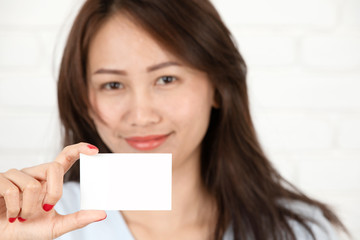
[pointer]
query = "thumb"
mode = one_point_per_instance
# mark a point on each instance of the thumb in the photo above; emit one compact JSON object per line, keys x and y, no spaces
{"x":71,"y":222}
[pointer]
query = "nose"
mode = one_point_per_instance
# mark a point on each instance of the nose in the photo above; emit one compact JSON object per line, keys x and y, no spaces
{"x":141,"y":111}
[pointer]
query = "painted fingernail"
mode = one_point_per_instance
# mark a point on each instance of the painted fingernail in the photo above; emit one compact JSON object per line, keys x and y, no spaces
{"x":102,"y":219}
{"x":92,"y":147}
{"x":11,"y":220}
{"x":47,"y":207}
{"x":21,"y":219}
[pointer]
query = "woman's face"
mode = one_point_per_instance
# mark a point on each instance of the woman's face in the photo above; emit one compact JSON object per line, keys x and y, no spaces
{"x":144,"y":99}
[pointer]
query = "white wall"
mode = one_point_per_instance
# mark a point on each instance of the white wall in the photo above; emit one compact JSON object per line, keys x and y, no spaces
{"x":32,"y":36}
{"x":304,"y":83}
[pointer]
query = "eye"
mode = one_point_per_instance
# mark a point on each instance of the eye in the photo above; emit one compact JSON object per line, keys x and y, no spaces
{"x":113,"y":86}
{"x":165,"y":80}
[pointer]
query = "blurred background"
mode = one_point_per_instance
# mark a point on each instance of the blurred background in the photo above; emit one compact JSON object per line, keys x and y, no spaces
{"x":304,"y":83}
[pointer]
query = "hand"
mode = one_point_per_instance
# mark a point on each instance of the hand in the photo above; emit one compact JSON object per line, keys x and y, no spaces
{"x":27,"y":198}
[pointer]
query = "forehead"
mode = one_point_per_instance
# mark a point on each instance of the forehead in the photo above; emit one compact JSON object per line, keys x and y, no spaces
{"x":123,"y":42}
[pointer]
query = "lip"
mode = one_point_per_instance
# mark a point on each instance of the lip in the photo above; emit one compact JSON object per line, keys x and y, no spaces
{"x":145,"y":143}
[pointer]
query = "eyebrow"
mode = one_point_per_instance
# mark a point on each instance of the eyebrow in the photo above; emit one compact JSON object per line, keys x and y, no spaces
{"x":148,"y":69}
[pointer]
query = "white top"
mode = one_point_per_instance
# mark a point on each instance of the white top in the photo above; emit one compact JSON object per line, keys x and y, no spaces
{"x":114,"y":226}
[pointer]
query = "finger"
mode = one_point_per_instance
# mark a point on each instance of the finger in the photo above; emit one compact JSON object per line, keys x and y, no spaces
{"x":71,"y":222}
{"x":53,"y":173}
{"x":31,"y":189}
{"x":54,"y":181}
{"x":71,"y":154}
{"x":10,"y":192}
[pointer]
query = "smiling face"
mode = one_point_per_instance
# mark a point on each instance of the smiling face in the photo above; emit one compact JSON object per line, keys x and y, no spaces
{"x":144,"y":99}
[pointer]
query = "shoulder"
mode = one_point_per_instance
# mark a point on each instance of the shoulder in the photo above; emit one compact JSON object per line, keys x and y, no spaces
{"x":319,"y":225}
{"x":317,"y":222}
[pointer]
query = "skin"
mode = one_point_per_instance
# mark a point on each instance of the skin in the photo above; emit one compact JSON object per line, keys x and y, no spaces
{"x":130,"y":98}
{"x":144,"y":105}
{"x":24,"y":192}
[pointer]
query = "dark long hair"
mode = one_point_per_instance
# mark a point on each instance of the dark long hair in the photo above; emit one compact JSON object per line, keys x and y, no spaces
{"x":234,"y":169}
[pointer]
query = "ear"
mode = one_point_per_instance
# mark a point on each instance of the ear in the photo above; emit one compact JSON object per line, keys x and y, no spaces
{"x":217,"y":100}
{"x":91,"y":113}
{"x":90,"y":106}
{"x":94,"y":114}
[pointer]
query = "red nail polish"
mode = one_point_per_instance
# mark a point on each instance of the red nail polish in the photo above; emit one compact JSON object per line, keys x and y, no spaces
{"x":92,"y":147}
{"x":11,"y":220}
{"x":102,"y":219}
{"x":47,"y":207}
{"x":21,"y":219}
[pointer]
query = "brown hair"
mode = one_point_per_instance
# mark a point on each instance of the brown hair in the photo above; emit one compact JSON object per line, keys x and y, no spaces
{"x":234,"y":169}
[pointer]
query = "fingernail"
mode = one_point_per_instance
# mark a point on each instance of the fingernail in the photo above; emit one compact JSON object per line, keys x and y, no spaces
{"x":47,"y":207}
{"x":92,"y":147}
{"x":102,"y":219}
{"x":21,"y":219}
{"x":12,"y":220}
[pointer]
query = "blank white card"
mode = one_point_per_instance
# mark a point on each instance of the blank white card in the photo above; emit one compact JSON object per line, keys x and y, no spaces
{"x":126,"y":181}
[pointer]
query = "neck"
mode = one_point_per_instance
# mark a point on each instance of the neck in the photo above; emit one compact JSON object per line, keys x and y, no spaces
{"x":191,"y":204}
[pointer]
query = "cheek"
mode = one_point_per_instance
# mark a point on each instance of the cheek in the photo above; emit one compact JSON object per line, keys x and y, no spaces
{"x":104,"y":113}
{"x":192,"y":111}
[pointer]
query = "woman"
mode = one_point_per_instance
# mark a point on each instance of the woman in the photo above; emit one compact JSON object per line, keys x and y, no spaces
{"x":160,"y":76}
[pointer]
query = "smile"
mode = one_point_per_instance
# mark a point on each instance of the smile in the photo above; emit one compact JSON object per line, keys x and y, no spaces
{"x":146,"y":143}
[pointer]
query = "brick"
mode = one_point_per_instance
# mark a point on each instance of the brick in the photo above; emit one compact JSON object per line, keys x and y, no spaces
{"x":28,"y":131}
{"x":24,"y":91}
{"x":52,"y":45}
{"x":19,"y":161}
{"x":37,"y":12}
{"x":265,"y":50}
{"x":285,"y":165}
{"x":320,"y":13}
{"x":351,"y":12}
{"x":349,"y":134}
{"x":300,"y":90}
{"x":319,"y":174}
{"x":331,"y":52}
{"x":19,"y":50}
{"x":289,"y":132}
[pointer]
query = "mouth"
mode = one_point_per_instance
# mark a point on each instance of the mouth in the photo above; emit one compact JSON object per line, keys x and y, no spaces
{"x":146,"y":143}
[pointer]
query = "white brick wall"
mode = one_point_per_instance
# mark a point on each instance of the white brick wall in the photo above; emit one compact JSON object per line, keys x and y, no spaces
{"x":32,"y":35}
{"x":350,"y":13}
{"x":349,"y":133}
{"x":36,"y":13}
{"x":19,"y":50}
{"x":311,"y":91}
{"x":319,"y":13}
{"x":294,"y":131}
{"x":304,"y":83}
{"x":332,"y":51}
